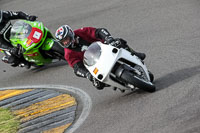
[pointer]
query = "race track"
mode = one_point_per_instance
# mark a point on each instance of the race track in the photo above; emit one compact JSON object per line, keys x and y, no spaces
{"x":168,"y":31}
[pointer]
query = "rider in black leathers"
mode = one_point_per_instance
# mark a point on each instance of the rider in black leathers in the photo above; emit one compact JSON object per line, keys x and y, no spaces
{"x":12,"y":57}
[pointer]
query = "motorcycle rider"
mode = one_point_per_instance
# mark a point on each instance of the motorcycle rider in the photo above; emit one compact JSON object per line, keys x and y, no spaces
{"x":76,"y":42}
{"x":13,"y":57}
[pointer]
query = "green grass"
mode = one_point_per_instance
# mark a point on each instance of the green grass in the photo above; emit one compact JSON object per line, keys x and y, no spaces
{"x":8,"y":122}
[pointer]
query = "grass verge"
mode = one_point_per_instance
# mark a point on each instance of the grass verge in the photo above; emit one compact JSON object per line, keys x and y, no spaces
{"x":8,"y":122}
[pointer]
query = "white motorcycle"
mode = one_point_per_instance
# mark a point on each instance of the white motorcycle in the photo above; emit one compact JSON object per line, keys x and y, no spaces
{"x":118,"y":68}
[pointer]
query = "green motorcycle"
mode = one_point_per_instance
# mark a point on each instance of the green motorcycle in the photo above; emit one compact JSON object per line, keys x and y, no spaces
{"x":38,"y":45}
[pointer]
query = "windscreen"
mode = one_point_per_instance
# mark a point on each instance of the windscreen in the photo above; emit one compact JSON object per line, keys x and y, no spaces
{"x":20,"y":30}
{"x":92,"y":55}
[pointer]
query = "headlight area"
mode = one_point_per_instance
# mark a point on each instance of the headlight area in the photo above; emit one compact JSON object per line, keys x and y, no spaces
{"x":92,"y":55}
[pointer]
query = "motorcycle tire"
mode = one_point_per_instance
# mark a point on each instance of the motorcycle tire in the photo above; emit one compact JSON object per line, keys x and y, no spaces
{"x":137,"y":82}
{"x":151,"y":76}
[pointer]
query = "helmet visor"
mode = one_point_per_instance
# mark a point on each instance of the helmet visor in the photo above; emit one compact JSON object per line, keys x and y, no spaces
{"x":66,"y":42}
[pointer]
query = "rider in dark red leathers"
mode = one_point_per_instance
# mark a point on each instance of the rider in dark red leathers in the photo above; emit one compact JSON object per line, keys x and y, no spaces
{"x":5,"y":27}
{"x":76,"y":42}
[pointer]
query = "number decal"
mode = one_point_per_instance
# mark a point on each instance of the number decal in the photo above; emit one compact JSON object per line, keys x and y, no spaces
{"x":36,"y":35}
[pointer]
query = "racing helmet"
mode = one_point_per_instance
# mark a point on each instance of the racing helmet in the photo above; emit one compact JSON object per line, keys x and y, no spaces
{"x":65,"y":36}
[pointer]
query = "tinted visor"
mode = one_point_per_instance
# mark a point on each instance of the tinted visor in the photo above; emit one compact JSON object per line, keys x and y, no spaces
{"x":66,"y":42}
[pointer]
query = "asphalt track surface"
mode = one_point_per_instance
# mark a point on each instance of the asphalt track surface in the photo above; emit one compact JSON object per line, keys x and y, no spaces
{"x":168,"y":31}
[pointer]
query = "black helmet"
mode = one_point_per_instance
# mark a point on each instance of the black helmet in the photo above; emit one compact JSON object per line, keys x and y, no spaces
{"x":65,"y":32}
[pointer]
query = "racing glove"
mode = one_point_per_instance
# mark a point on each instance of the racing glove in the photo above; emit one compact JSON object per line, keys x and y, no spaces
{"x":17,"y":51}
{"x":104,"y":35}
{"x":23,"y":15}
{"x":32,"y":18}
{"x":109,"y":40}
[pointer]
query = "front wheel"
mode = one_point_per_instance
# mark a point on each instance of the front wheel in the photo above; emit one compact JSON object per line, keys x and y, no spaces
{"x":137,"y":82}
{"x":151,"y":76}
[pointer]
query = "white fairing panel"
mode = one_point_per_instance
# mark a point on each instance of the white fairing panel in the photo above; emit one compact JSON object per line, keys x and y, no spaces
{"x":106,"y":61}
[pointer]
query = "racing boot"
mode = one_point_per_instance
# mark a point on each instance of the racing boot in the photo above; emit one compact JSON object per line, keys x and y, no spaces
{"x":142,"y":56}
{"x":123,"y":44}
{"x":25,"y":64}
{"x":14,"y":61}
{"x":5,"y":59}
{"x":99,"y":85}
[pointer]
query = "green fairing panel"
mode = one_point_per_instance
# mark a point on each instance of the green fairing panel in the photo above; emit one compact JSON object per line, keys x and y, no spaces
{"x":28,"y":34}
{"x":35,"y":56}
{"x":48,"y":43}
{"x":32,"y":36}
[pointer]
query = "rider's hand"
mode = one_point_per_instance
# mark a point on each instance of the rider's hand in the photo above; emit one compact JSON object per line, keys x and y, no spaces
{"x":17,"y":51}
{"x":116,"y":42}
{"x":14,"y":51}
{"x":32,"y":18}
{"x":109,"y":40}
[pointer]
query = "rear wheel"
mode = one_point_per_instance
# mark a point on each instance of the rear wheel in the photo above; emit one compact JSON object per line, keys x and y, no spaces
{"x":138,"y":82}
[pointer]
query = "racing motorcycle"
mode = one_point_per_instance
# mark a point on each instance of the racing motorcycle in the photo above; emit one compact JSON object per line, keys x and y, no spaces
{"x":36,"y":43}
{"x":118,"y":68}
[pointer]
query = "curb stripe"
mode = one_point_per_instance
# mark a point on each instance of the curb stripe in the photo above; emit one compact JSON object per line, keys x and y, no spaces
{"x":60,"y":129}
{"x":27,"y":99}
{"x":43,"y":104}
{"x":24,"y":105}
{"x":32,"y":117}
{"x":53,"y":125}
{"x":12,"y":99}
{"x":43,"y":124}
{"x":45,"y":107}
{"x":9,"y":94}
{"x":3,"y":93}
{"x":48,"y":116}
{"x":48,"y":104}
